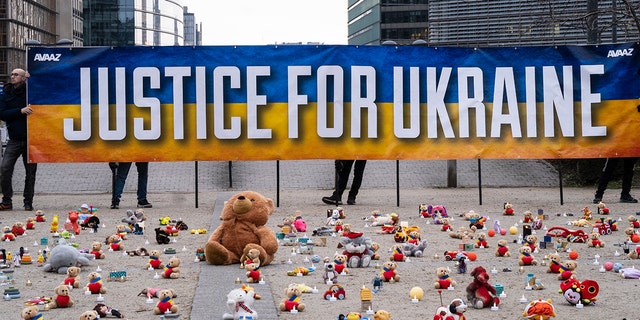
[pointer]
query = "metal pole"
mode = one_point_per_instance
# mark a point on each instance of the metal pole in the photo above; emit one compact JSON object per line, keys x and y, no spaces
{"x":278,"y":183}
{"x":560,"y":182}
{"x":398,"y":183}
{"x":230,"y":176}
{"x":452,"y":173}
{"x":196,"y":182}
{"x":480,"y":181}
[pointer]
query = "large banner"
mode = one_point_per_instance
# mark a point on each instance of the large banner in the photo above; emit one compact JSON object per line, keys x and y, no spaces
{"x":98,"y":104}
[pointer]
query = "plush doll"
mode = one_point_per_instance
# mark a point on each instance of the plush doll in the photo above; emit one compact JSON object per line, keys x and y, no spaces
{"x":634,"y":253}
{"x":72,"y":222}
{"x":481,"y":240}
{"x":539,"y":310}
{"x":396,"y":253}
{"x":333,"y":215}
{"x":89,"y":315}
{"x":141,"y":251}
{"x":40,"y":216}
{"x":554,"y":263}
{"x":330,"y":273}
{"x":31,"y":313}
{"x":95,"y":285}
{"x":479,"y":292}
{"x":502,"y":250}
{"x":526,"y":258}
{"x":414,"y":250}
{"x":508,"y":209}
{"x":30,"y":224}
{"x":96,"y":250}
{"x":18,"y":228}
{"x":122,"y":230}
{"x":340,"y":263}
{"x":357,"y":248}
{"x":532,"y":241}
{"x":63,"y":255}
{"x":106,"y":311}
{"x":382,"y":315}
{"x":602,"y":208}
{"x":443,"y":281}
{"x":455,"y":311}
{"x":54,"y":224}
{"x":527,"y":217}
{"x":292,"y":300}
{"x":463,"y":233}
{"x":423,"y":210}
{"x":437,"y":213}
{"x":240,"y":305}
{"x":154,"y":292}
{"x":172,"y":269}
{"x":613,"y":223}
{"x":575,"y":291}
{"x":373,"y":250}
{"x":586,"y":213}
{"x":61,"y":299}
{"x":567,"y":269}
{"x":162,"y":237}
{"x":633,"y":221}
{"x":477,"y":221}
{"x":594,"y":240}
{"x":244,"y":218}
{"x":446,"y":225}
{"x":166,"y":302}
{"x":252,"y":266}
{"x":114,"y":242}
{"x":7,"y":235}
{"x":72,"y":277}
{"x":154,"y":260}
{"x":287,"y":227}
{"x":413,"y":236}
{"x":391,"y":219}
{"x":389,"y":272}
{"x":580,"y":223}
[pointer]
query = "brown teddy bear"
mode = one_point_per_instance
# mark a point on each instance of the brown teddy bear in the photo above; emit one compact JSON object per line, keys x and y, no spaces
{"x":396,"y":253}
{"x":61,"y":299}
{"x":244,"y":218}
{"x":629,"y":232}
{"x":114,"y":242}
{"x":527,"y":217}
{"x":166,"y":302}
{"x":172,"y":269}
{"x":89,"y":315}
{"x":382,"y":315}
{"x":594,"y":240}
{"x":251,"y":263}
{"x":446,"y":225}
{"x":340,"y":263}
{"x":526,"y":258}
{"x":292,"y":300}
{"x":532,"y":241}
{"x":389,"y":273}
{"x":502,"y":250}
{"x":96,"y":250}
{"x":567,"y":269}
{"x":154,"y":260}
{"x":30,"y":312}
{"x":443,"y":281}
{"x":554,"y":263}
{"x":508,"y":209}
{"x":95,"y":284}
{"x":72,"y":277}
{"x":481,"y":240}
{"x":374,"y":248}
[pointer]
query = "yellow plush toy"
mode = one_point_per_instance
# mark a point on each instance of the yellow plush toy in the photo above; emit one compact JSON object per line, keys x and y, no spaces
{"x":382,"y":315}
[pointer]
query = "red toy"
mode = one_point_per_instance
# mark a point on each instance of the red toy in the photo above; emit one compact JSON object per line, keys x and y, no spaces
{"x":73,"y":222}
{"x":603,"y":228}
{"x":451,"y":255}
{"x":480,"y":293}
{"x":336,"y":291}
{"x":578,"y":236}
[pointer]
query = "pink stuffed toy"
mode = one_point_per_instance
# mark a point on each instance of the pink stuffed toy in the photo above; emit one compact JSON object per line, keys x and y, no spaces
{"x":480,"y":293}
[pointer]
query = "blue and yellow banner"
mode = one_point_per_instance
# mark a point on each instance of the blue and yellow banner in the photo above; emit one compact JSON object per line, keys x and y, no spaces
{"x":97,"y":104}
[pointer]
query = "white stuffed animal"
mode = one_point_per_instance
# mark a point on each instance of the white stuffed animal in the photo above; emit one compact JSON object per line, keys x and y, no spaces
{"x":240,"y":304}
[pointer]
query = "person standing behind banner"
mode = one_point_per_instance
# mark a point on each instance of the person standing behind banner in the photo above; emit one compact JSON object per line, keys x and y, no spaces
{"x":121,"y":173}
{"x":343,"y":168}
{"x":14,"y":112}
{"x":628,"y":165}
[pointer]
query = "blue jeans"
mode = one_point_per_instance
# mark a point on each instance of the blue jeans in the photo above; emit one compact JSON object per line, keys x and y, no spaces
{"x":15,"y":149}
{"x":122,"y":171}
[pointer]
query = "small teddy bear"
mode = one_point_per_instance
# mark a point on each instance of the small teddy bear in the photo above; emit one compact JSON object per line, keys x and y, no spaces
{"x":30,"y":224}
{"x":389,"y":273}
{"x":72,"y":277}
{"x":105,"y":311}
{"x":508,"y":209}
{"x":586,"y":213}
{"x":330,"y":273}
{"x":527,"y":217}
{"x":18,"y":228}
{"x":172,"y":269}
{"x":61,"y":299}
{"x":166,"y":302}
{"x":95,"y":284}
{"x":40,"y":217}
{"x":30,"y":312}
{"x":567,"y":269}
{"x":554,"y":263}
{"x":502,"y":250}
{"x":374,"y":251}
{"x":240,"y":304}
{"x":382,"y":315}
{"x":481,"y":240}
{"x":340,"y":263}
{"x":602,"y":208}
{"x":633,"y":221}
{"x":532,"y":241}
{"x":446,"y":225}
{"x":629,"y":232}
{"x":7,"y":235}
{"x":594,"y":240}
{"x":115,"y":242}
{"x":154,"y":260}
{"x":526,"y":258}
{"x":252,"y":265}
{"x":96,"y":250}
{"x":89,"y":315}
{"x":443,"y":281}
{"x":396,"y":253}
{"x":292,"y":300}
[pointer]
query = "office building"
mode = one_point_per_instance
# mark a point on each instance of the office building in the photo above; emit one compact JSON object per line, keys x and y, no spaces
{"x":192,"y":31}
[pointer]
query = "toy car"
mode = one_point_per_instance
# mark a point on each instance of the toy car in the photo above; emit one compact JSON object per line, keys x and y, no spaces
{"x":603,"y":228}
{"x":451,"y":255}
{"x":335,"y":291}
{"x":578,"y":236}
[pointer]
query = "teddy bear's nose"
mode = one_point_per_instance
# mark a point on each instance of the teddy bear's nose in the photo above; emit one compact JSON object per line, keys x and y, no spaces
{"x":241,"y":198}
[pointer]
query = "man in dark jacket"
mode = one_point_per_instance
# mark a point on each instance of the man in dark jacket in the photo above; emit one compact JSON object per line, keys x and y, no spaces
{"x":14,"y":112}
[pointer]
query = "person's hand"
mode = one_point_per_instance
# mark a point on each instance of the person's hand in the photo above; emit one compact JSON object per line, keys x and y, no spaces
{"x":26,"y":110}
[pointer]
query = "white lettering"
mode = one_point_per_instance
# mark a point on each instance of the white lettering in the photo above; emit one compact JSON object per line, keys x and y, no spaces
{"x":413,"y":130}
{"x":295,"y":100}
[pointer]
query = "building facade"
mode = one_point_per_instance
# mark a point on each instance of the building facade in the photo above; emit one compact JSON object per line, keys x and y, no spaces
{"x":133,"y":23}
{"x":492,"y":23}
{"x":192,"y":30}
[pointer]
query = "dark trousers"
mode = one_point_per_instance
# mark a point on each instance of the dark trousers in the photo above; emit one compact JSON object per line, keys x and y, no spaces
{"x":15,"y":149}
{"x":628,"y":164}
{"x":343,"y":168}
{"x":122,"y":171}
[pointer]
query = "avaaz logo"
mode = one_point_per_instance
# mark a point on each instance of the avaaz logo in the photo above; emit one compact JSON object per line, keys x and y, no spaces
{"x":620,"y":53}
{"x":47,"y":57}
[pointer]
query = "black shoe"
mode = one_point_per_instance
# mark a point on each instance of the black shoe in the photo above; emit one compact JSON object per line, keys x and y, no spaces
{"x":144,"y":204}
{"x":5,"y":206}
{"x":628,"y":199}
{"x":28,"y":207}
{"x":332,"y":200}
{"x":597,"y":199}
{"x":115,"y":205}
{"x":351,"y":201}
